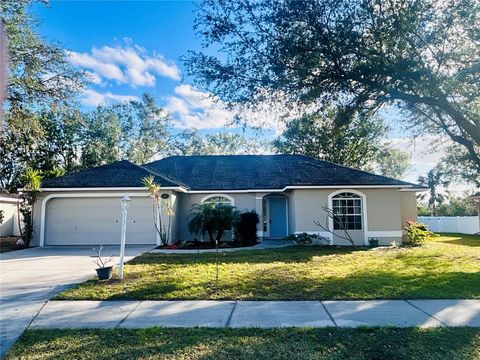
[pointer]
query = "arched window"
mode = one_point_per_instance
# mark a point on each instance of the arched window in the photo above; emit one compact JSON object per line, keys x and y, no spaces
{"x":218,"y":199}
{"x":347,"y":210}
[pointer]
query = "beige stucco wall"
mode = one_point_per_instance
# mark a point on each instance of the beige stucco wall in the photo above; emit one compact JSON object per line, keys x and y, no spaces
{"x":9,"y":218}
{"x":387,"y":210}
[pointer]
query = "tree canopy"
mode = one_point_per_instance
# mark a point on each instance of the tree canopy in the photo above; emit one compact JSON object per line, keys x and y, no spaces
{"x":421,"y":55}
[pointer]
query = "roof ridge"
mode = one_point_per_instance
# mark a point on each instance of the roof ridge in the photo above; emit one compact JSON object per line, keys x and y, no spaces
{"x":352,"y":168}
{"x":155,"y":173}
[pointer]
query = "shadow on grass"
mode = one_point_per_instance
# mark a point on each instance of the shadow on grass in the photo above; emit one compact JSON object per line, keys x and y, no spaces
{"x":458,"y":239}
{"x":288,"y":255}
{"x":287,"y":343}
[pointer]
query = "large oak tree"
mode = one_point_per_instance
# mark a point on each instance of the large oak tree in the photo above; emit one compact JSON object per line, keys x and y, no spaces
{"x":421,"y":55}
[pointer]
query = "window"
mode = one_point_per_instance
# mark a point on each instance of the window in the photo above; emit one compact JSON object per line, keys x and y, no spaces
{"x":347,"y":210}
{"x":218,"y":199}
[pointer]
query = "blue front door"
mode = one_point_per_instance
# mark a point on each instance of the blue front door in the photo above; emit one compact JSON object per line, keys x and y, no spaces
{"x":278,"y":216}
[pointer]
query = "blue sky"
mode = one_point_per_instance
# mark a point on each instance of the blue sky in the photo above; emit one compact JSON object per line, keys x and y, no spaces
{"x":132,"y":47}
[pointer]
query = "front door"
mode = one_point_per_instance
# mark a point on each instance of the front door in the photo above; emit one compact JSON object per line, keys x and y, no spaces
{"x":278,"y":216}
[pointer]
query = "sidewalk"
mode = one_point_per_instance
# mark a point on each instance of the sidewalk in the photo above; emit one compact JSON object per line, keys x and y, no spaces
{"x":264,"y":314}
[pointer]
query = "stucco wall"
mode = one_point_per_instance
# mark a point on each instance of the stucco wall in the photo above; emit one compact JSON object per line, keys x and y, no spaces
{"x":9,"y":211}
{"x":387,"y":209}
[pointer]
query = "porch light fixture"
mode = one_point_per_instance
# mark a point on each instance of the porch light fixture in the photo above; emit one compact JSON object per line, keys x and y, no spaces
{"x":125,"y":202}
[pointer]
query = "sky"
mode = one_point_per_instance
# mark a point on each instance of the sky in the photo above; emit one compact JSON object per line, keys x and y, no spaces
{"x":132,"y":47}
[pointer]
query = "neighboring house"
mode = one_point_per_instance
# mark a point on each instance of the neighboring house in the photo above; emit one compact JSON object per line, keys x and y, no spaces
{"x":8,"y":206}
{"x":287,"y":191}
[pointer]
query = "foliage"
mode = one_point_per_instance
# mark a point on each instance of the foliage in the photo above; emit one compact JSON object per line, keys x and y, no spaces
{"x":245,"y":227}
{"x":453,"y":205}
{"x":446,"y":267}
{"x":330,"y":135}
{"x":41,"y":82}
{"x":133,"y":130}
{"x":31,"y":180}
{"x":191,"y":142}
{"x":392,"y":162}
{"x":420,"y":55}
{"x":159,"y":206}
{"x":417,"y":233}
{"x":459,"y":167}
{"x":2,"y":217}
{"x":99,"y":260}
{"x":434,"y":179}
{"x":308,"y":239}
{"x":212,"y":218}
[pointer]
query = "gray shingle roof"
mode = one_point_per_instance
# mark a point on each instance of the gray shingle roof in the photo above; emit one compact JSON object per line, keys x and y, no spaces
{"x":241,"y":172}
{"x":117,"y":174}
{"x":225,"y":172}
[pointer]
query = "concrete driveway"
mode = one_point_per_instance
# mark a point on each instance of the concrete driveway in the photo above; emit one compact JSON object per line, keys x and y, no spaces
{"x":28,"y":278}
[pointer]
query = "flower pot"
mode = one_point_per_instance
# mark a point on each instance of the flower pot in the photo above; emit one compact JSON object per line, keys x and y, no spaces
{"x":105,"y":273}
{"x":373,"y":242}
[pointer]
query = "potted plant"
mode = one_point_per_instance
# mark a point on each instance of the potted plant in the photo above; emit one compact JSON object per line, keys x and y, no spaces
{"x":373,"y":242}
{"x":103,"y":272}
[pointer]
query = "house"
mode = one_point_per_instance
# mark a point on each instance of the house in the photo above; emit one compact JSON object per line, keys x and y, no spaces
{"x":8,"y":207}
{"x":287,"y":191}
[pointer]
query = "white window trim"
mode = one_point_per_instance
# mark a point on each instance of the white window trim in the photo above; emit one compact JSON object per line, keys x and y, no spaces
{"x":205,"y":198}
{"x":364,"y":211}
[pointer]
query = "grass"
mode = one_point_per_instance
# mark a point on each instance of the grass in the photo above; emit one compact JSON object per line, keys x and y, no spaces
{"x":446,"y":267}
{"x":218,"y":344}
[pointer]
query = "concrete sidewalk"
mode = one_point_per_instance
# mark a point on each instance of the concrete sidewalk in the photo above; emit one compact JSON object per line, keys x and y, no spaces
{"x":264,"y":314}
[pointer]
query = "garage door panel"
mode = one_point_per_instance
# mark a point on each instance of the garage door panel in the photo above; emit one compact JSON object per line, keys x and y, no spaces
{"x":93,"y":221}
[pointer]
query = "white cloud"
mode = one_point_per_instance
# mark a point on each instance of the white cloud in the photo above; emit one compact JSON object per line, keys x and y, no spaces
{"x":194,"y":108}
{"x":94,"y":98}
{"x":128,"y":64}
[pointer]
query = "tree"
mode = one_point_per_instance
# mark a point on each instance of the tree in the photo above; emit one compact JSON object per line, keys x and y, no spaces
{"x":191,"y":142}
{"x":31,"y":181}
{"x":420,"y":55}
{"x":41,"y":80}
{"x":392,"y":162}
{"x":159,"y":205}
{"x":328,"y":136}
{"x":459,"y":166}
{"x":452,"y":205}
{"x":434,"y":179}
{"x":133,"y":130}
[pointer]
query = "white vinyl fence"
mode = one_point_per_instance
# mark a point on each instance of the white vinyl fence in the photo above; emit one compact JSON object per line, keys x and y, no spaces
{"x":452,"y":224}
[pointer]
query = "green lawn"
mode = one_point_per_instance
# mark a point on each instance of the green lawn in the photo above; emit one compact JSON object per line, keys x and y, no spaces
{"x":446,"y":267}
{"x":202,"y":343}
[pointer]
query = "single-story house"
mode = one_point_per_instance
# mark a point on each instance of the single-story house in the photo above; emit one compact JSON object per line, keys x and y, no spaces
{"x":287,"y":191}
{"x":9,"y":209}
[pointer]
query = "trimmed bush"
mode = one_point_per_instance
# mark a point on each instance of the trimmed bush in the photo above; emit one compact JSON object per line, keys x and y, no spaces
{"x":245,"y":228}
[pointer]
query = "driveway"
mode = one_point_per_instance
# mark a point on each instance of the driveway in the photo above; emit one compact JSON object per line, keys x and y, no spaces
{"x":28,"y":278}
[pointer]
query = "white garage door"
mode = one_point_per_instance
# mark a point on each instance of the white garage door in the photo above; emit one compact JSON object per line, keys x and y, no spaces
{"x":93,"y":221}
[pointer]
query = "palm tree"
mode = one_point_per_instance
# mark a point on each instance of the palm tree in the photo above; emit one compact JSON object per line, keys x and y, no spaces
{"x":32,"y":182}
{"x":212,"y":218}
{"x":434,"y":179}
{"x":154,"y":192}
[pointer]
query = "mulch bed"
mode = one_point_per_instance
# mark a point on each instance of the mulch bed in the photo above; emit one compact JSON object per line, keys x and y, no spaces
{"x":201,"y":245}
{"x":7,"y":244}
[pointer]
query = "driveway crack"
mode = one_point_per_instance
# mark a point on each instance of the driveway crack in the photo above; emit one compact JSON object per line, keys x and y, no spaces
{"x":231,"y":314}
{"x":131,"y":311}
{"x":429,"y":315}
{"x":329,"y":315}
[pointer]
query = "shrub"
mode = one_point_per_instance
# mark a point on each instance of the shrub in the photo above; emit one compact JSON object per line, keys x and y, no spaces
{"x":245,"y":228}
{"x":417,"y":233}
{"x":308,"y":239}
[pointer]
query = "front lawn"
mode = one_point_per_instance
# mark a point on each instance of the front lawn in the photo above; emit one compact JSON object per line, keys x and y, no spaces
{"x":202,"y":343}
{"x":446,"y":267}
